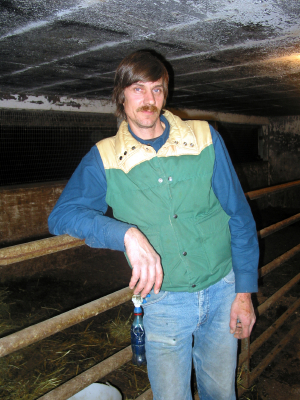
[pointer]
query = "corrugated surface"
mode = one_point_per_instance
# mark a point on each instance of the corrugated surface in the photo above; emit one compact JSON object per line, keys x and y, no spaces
{"x":227,"y":55}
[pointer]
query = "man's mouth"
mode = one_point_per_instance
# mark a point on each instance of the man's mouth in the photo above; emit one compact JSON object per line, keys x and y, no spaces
{"x":149,"y":108}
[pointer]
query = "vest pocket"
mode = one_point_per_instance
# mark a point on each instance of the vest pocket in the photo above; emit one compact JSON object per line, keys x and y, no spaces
{"x":216,"y":240}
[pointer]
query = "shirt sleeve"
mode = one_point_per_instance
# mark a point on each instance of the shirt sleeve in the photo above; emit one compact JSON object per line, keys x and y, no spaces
{"x":80,"y":210}
{"x":244,"y":241}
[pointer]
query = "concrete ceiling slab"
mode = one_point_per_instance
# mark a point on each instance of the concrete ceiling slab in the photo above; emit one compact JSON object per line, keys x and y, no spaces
{"x":237,"y":56}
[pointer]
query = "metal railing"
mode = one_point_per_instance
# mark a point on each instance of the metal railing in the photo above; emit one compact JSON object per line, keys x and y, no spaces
{"x":35,"y":333}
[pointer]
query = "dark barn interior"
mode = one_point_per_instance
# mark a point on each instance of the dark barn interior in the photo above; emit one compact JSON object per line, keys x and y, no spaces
{"x":234,"y":63}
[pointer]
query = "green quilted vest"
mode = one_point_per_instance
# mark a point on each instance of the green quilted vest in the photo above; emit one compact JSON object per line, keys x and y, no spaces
{"x":168,"y":196}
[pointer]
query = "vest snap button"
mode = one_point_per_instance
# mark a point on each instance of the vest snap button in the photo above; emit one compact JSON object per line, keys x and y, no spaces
{"x":185,"y":143}
{"x":184,"y":253}
{"x":170,"y":179}
{"x":125,"y":152}
{"x":120,"y":158}
{"x":175,"y":216}
{"x":133,"y":147}
{"x":160,"y":180}
{"x":193,"y":285}
{"x":192,"y":144}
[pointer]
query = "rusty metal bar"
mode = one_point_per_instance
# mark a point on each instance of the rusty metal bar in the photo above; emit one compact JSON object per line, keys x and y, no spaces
{"x":26,"y":251}
{"x":267,"y":304}
{"x":256,"y":194}
{"x":148,"y":395}
{"x":73,"y":386}
{"x":268,"y":332}
{"x":276,"y":227}
{"x":270,"y":357}
{"x":245,"y":348}
{"x":34,"y":333}
{"x":278,"y":261}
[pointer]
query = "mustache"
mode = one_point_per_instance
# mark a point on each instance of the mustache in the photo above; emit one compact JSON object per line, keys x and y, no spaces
{"x":150,"y":108}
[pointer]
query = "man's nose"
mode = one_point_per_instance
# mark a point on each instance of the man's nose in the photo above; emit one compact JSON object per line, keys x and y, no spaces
{"x":149,"y":97}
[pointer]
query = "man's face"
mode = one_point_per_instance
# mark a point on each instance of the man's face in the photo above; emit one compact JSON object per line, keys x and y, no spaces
{"x":143,"y":103}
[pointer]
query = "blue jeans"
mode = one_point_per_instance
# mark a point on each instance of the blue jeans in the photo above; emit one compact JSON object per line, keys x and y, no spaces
{"x":181,"y":327}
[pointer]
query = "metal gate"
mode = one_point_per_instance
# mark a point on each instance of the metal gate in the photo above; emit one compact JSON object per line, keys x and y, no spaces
{"x":33,"y":334}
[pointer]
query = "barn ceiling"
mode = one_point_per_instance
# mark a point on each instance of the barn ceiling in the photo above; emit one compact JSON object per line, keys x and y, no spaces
{"x":236,"y":56}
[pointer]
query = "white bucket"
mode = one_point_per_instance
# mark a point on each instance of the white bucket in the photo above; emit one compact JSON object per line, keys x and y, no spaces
{"x":98,"y":391}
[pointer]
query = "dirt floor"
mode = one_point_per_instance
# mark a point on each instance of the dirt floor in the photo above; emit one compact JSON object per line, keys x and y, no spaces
{"x":47,"y":286}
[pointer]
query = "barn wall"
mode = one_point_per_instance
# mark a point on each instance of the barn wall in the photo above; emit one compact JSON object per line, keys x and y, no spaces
{"x":284,"y":159}
{"x":252,"y":175}
{"x":26,"y":210}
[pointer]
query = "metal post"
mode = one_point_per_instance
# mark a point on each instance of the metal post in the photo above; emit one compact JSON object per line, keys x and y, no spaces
{"x":245,"y":348}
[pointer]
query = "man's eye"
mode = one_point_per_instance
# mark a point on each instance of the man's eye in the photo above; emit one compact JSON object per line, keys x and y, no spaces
{"x":137,"y":89}
{"x":157,"y":90}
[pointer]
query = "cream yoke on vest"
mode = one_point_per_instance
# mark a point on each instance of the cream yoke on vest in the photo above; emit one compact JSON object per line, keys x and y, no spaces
{"x":168,"y":196}
{"x":129,"y":152}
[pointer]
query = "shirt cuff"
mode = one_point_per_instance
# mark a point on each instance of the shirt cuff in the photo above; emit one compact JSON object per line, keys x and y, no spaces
{"x":114,"y":235}
{"x":246,"y":283}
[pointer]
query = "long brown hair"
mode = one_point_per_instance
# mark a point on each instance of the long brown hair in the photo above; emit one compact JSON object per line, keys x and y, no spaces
{"x":142,"y":65}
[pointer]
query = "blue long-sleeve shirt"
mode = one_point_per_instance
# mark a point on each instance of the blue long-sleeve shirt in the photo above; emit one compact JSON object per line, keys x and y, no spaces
{"x":80,"y":209}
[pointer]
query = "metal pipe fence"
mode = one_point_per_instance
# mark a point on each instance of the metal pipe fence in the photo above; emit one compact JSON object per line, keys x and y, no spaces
{"x":56,"y":324}
{"x":38,"y":248}
{"x":247,"y":349}
{"x":42,"y":330}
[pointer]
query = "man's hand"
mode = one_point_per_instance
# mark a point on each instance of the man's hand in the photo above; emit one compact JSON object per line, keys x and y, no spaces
{"x":146,"y":266}
{"x":242,"y":316}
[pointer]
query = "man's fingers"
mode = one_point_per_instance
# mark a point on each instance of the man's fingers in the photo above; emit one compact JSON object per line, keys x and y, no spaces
{"x":145,"y":262}
{"x":143,"y":287}
{"x":241,"y":331}
{"x":148,"y":278}
{"x":135,"y":276}
{"x":143,"y":279}
{"x":233,"y":322}
{"x":242,"y":316}
{"x":159,"y":277}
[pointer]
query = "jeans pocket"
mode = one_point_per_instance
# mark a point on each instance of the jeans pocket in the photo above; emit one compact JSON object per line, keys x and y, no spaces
{"x":154,"y":298}
{"x":230,"y":278}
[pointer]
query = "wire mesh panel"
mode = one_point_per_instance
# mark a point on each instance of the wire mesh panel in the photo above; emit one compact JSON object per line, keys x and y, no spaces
{"x":241,"y":141}
{"x":47,"y":147}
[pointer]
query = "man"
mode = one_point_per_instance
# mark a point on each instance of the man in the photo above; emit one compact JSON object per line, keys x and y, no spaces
{"x":187,"y":229}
